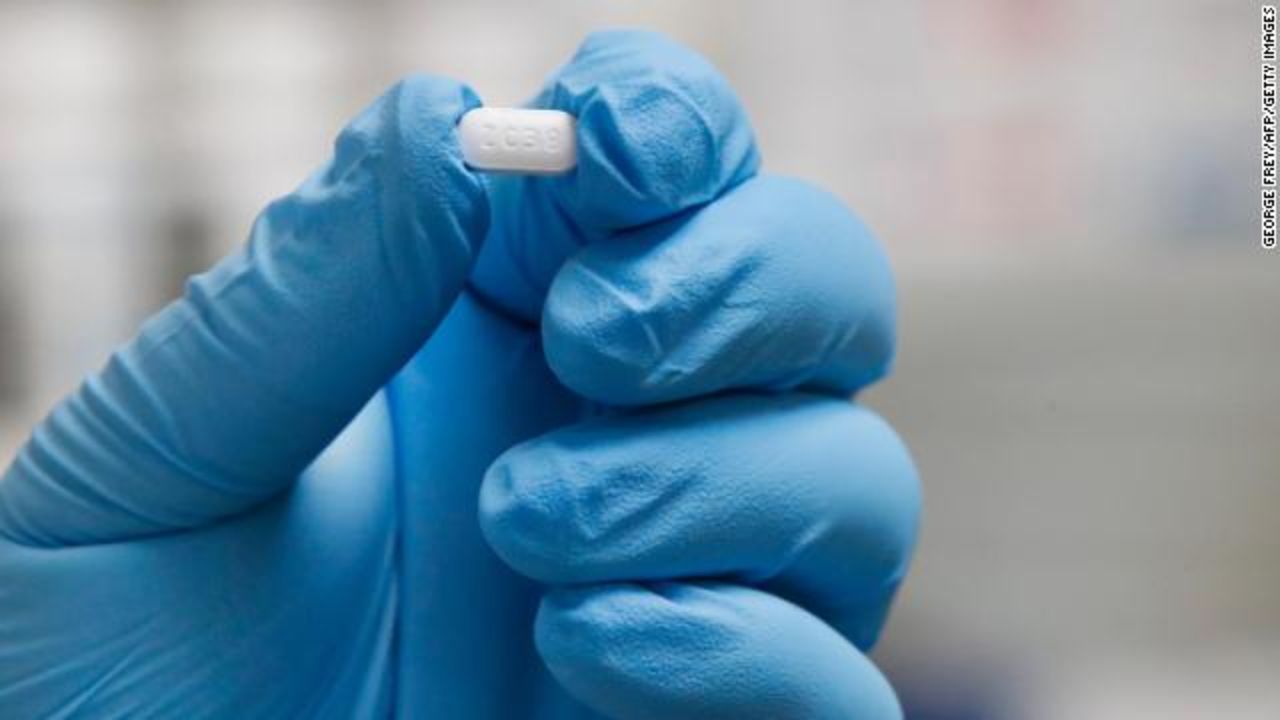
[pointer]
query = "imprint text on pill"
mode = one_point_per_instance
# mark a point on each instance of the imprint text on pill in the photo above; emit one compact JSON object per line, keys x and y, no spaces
{"x":518,"y":140}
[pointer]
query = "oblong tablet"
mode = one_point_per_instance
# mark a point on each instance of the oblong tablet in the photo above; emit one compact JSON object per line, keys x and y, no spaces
{"x":517,"y":140}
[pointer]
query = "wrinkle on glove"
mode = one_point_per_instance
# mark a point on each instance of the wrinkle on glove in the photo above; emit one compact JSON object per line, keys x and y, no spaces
{"x":767,"y":490}
{"x":774,"y":286}
{"x":231,"y":391}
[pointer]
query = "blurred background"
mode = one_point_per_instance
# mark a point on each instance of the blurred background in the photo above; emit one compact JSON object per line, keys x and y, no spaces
{"x":1088,"y":368}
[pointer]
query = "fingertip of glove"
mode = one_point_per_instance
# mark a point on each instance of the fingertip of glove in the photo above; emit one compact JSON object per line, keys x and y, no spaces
{"x":521,"y":511}
{"x":703,"y":650}
{"x":599,"y":340}
{"x":407,"y":142}
{"x":621,"y":638}
{"x":659,"y":130}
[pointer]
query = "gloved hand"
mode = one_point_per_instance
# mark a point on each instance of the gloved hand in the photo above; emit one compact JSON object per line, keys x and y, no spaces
{"x":266,"y":504}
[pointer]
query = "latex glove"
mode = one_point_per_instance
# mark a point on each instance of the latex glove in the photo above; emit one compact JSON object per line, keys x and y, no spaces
{"x":176,"y":539}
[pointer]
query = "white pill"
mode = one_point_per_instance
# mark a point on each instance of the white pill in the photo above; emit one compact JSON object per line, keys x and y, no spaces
{"x":518,"y":140}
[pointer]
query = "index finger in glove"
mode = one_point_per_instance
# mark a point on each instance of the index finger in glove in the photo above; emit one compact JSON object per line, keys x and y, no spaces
{"x":773,"y":286}
{"x":659,"y":131}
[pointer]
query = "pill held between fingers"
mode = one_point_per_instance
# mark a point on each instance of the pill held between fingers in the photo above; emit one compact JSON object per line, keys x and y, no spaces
{"x":518,"y":140}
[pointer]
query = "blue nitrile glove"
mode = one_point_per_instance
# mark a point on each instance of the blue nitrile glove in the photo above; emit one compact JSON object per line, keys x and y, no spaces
{"x":711,"y":529}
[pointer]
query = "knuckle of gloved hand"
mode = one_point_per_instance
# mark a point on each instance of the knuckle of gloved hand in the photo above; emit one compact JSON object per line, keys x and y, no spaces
{"x":822,"y":281}
{"x":659,"y":130}
{"x":881,"y":511}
